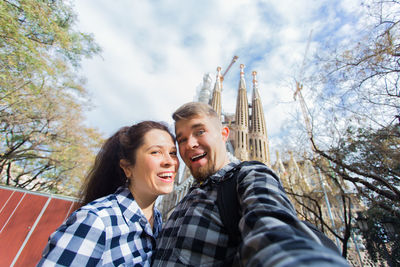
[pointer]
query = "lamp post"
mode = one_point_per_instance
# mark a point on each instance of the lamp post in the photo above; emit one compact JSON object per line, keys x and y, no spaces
{"x":362,"y":222}
{"x":388,"y":225}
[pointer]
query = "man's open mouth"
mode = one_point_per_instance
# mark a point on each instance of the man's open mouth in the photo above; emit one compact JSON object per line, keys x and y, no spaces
{"x":198,"y":157}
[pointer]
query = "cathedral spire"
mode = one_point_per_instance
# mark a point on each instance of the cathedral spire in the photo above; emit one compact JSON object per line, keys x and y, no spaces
{"x":216,"y":97}
{"x":242,"y":82}
{"x":242,"y":120}
{"x":256,"y":95}
{"x":259,"y":147}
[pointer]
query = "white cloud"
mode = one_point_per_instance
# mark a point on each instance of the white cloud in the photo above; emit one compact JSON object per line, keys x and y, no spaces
{"x":156,"y":52}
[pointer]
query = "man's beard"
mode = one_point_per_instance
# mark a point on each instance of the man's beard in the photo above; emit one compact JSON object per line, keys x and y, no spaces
{"x":204,"y":172}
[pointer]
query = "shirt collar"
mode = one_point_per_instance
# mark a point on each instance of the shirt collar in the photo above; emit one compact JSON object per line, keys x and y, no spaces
{"x":132,"y":212}
{"x":129,"y":207}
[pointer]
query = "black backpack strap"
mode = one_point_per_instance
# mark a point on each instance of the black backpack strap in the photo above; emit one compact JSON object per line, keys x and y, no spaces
{"x":228,"y":202}
{"x":228,"y":205}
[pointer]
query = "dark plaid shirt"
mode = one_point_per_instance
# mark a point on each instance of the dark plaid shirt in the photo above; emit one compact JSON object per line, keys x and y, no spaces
{"x":272,"y":234}
{"x":110,"y":231}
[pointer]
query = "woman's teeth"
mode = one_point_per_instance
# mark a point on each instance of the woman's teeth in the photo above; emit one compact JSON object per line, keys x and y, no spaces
{"x":165,"y":175}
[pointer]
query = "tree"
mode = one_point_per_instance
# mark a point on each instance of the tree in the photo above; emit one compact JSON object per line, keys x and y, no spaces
{"x":353,"y":86}
{"x":370,"y":160}
{"x":43,"y":139}
{"x":356,"y":97}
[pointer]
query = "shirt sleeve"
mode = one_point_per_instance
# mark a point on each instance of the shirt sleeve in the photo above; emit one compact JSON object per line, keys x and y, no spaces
{"x":272,"y":234}
{"x":78,"y":242}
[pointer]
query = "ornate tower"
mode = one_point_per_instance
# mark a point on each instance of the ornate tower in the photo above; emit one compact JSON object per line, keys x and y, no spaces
{"x":259,"y":147}
{"x":205,"y":91}
{"x":242,"y":120}
{"x":216,"y":96}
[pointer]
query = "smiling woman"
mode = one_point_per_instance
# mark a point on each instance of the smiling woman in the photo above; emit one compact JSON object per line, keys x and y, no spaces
{"x":117,"y":222}
{"x":154,"y":169}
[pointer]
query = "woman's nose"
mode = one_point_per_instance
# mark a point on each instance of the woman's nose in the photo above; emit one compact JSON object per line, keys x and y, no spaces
{"x":170,"y":160}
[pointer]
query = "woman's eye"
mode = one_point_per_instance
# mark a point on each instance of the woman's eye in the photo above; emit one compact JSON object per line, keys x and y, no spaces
{"x":154,"y":152}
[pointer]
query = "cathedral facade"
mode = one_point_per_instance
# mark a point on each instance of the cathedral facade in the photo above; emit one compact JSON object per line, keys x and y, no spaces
{"x":248,"y":132}
{"x":248,"y":140}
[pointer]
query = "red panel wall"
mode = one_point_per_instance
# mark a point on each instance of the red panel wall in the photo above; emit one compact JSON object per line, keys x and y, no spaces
{"x":56,"y":212}
{"x":9,"y":205}
{"x":4,"y":195}
{"x":18,"y":213}
{"x":19,"y":225}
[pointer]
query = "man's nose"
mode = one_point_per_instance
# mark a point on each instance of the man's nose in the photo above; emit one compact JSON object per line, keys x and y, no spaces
{"x":192,"y":142}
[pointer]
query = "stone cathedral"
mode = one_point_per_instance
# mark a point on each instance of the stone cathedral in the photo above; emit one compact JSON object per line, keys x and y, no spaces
{"x":248,"y":140}
{"x":248,"y":132}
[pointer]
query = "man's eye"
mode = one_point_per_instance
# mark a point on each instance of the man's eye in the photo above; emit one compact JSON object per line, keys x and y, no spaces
{"x":173,"y":153}
{"x":180,"y":141}
{"x":155,"y":152}
{"x":200,"y":132}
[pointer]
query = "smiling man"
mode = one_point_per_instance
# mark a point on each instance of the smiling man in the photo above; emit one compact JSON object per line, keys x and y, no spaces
{"x":201,"y":141}
{"x":270,"y":232}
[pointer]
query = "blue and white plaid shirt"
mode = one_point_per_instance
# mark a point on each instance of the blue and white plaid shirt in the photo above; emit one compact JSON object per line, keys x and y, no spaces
{"x":110,"y":231}
{"x":272,"y":235}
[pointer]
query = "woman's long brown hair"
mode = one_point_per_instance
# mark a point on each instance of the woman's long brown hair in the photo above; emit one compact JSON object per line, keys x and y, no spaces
{"x":106,"y":174}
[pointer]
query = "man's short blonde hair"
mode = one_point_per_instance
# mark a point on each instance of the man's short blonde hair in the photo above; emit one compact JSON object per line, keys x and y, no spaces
{"x":193,"y":109}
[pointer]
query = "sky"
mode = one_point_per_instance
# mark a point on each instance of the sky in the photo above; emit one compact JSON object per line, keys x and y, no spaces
{"x":155,"y":53}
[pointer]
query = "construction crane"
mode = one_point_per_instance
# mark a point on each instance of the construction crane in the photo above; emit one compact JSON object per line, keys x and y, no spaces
{"x":299,"y":87}
{"x":304,"y":109}
{"x":227,"y":69}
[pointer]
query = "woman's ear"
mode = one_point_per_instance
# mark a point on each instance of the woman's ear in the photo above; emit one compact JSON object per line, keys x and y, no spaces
{"x":126,"y":167}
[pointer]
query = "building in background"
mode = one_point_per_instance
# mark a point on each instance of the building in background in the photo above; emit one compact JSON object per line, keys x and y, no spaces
{"x":248,"y":140}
